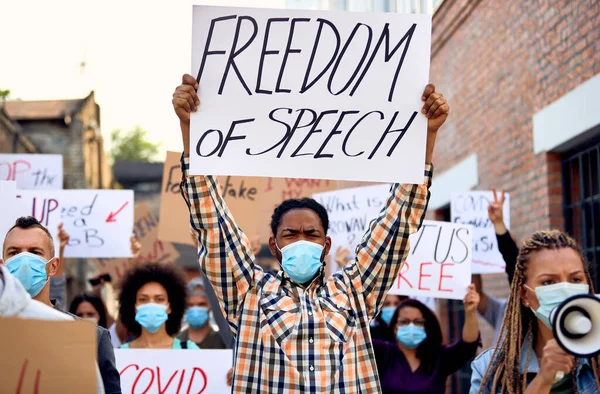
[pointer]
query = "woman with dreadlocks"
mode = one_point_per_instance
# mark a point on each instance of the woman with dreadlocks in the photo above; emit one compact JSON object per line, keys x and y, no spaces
{"x":550,"y":268}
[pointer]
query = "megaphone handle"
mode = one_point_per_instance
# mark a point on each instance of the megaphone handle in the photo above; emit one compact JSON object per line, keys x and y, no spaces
{"x":559,"y":376}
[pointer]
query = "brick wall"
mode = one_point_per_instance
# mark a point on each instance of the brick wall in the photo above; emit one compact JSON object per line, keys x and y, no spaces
{"x":498,"y":63}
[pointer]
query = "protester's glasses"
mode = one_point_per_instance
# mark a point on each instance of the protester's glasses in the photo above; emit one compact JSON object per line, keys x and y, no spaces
{"x":416,"y":322}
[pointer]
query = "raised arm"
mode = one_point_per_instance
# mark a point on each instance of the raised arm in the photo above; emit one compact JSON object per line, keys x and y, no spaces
{"x":58,"y":282}
{"x":224,"y":252}
{"x":385,"y":246}
{"x":506,"y":244}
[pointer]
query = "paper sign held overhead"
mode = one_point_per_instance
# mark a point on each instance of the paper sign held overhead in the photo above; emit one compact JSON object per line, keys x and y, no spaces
{"x":310,"y":94}
{"x":472,"y":208}
{"x":173,"y":371}
{"x":32,"y":171}
{"x":99,"y":222}
{"x":65,"y":364}
{"x":439,"y":262}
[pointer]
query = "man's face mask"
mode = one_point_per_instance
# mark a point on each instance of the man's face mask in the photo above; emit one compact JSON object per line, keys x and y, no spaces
{"x":30,"y":270}
{"x":552,"y":296}
{"x":301,"y":260}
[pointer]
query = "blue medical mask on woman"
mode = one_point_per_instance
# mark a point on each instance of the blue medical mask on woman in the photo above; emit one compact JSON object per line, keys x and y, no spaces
{"x":387,"y":313}
{"x":411,"y":336}
{"x":30,"y":270}
{"x":301,"y":260}
{"x":197,"y":316}
{"x":151,"y":316}
{"x":552,"y":296}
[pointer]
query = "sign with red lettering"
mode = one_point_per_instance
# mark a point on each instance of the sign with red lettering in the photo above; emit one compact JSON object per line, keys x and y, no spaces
{"x":439,"y":262}
{"x":33,"y":364}
{"x":99,"y":222}
{"x":32,"y":171}
{"x":472,"y":208}
{"x":310,"y":94}
{"x":8,"y":202}
{"x":161,"y":371}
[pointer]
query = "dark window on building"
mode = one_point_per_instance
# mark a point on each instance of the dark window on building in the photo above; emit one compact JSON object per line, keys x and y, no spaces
{"x":581,"y":189}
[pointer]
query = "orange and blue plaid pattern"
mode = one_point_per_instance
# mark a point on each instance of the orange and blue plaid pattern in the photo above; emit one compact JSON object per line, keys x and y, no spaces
{"x":291,"y":339}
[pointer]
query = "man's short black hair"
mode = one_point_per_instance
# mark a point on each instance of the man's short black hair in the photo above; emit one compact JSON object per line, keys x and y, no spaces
{"x":29,"y":222}
{"x":302,"y":203}
{"x":168,"y":276}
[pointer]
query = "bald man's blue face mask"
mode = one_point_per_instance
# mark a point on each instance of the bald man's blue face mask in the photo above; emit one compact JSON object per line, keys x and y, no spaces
{"x":301,"y":260}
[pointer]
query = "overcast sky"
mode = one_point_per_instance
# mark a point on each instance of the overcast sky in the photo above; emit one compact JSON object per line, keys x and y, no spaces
{"x":135,"y":53}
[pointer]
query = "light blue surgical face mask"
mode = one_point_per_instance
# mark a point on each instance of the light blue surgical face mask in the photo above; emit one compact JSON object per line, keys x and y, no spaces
{"x":301,"y":260}
{"x":552,"y":296}
{"x":151,"y":316}
{"x":411,"y":336}
{"x":197,"y":316}
{"x":387,"y":313}
{"x":30,"y":270}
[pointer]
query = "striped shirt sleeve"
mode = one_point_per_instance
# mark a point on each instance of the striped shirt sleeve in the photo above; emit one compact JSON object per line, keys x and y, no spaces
{"x":385,"y":245}
{"x":224,"y":251}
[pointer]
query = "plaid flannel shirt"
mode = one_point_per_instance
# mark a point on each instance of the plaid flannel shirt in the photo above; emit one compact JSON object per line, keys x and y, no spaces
{"x":291,"y":339}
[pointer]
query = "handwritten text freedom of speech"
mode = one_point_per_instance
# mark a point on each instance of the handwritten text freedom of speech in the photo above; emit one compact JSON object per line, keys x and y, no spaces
{"x":279,"y":88}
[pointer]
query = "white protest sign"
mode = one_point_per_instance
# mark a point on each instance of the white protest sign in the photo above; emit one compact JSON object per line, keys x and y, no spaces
{"x":32,"y":171}
{"x":439,"y":262}
{"x":99,"y":222}
{"x":310,"y":94}
{"x":8,"y":202}
{"x":161,"y":371}
{"x":472,"y":208}
{"x":350,"y":212}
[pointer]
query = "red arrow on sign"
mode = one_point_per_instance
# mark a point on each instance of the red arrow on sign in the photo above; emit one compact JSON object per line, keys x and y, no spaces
{"x":111,"y":216}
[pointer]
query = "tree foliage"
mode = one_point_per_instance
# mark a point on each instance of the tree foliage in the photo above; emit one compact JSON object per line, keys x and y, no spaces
{"x":133,"y":146}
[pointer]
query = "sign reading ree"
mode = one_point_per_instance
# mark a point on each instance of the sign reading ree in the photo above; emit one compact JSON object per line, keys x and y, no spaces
{"x":350,"y":213}
{"x":32,"y":171}
{"x":310,"y":94}
{"x":173,"y":371}
{"x":439,"y":262}
{"x":33,"y":364}
{"x":99,"y":222}
{"x":472,"y":208}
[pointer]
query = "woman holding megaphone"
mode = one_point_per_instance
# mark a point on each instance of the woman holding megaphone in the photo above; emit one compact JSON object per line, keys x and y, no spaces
{"x":550,"y":269}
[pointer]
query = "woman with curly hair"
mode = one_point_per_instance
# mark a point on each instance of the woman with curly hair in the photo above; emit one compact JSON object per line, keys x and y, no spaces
{"x":152,"y":304}
{"x":550,"y":268}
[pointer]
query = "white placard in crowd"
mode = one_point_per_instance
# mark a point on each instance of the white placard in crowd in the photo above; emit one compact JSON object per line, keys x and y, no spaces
{"x":439,"y":262}
{"x":472,"y":208}
{"x":32,"y":171}
{"x":310,"y":94}
{"x":350,"y":213}
{"x":99,"y":222}
{"x":8,"y":200}
{"x":161,"y":371}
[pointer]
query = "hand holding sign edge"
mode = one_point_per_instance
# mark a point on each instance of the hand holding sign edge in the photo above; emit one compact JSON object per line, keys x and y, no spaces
{"x":436,"y":109}
{"x":185,"y":100}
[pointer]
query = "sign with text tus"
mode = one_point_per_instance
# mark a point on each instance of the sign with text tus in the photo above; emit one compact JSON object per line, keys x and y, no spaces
{"x":310,"y":94}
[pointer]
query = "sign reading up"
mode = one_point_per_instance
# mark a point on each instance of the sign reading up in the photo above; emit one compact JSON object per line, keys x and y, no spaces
{"x":310,"y":94}
{"x":99,"y":222}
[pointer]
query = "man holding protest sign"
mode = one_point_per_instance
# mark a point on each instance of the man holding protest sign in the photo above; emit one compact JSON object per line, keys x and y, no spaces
{"x":296,"y":332}
{"x":28,"y":254}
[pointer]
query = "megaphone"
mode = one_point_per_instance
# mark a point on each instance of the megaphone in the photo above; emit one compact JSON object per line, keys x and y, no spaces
{"x":576,"y":325}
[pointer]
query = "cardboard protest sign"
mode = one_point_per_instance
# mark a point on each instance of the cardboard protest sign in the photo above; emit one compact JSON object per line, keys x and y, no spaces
{"x":472,"y":208}
{"x":310,"y":94}
{"x":145,"y":230}
{"x":99,"y":222}
{"x":8,"y":202}
{"x":32,"y":171}
{"x":244,"y":197}
{"x":350,"y":212}
{"x":439,"y":262}
{"x":155,"y":371}
{"x":32,"y":363}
